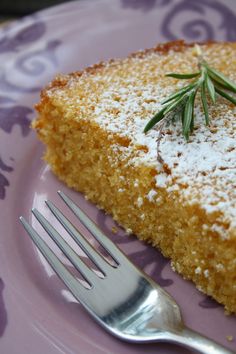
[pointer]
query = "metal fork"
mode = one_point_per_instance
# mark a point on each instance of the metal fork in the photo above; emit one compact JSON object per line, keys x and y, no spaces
{"x":125,"y":301}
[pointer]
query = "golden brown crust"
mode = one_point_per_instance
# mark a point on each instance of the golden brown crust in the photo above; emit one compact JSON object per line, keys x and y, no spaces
{"x":61,"y":81}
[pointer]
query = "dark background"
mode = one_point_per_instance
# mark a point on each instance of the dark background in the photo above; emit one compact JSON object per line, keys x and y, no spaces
{"x":17,"y":8}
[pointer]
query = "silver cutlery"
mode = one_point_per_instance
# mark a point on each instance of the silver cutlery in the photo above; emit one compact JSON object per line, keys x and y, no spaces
{"x":121,"y":298}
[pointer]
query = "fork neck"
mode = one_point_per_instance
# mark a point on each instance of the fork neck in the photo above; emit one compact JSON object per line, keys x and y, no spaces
{"x":202,"y":344}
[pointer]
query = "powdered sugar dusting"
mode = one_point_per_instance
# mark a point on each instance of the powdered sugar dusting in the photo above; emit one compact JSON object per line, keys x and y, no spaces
{"x":202,"y":170}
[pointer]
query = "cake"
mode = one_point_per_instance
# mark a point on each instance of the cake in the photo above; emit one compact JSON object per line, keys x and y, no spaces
{"x":183,"y":203}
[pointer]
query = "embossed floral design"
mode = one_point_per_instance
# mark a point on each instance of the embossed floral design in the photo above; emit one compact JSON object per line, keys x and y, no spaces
{"x":208,"y":303}
{"x":150,"y":256}
{"x":5,"y":100}
{"x":32,"y":63}
{"x":3,"y":180}
{"x":25,"y":36}
{"x":11,"y":114}
{"x":15,"y":115}
{"x":3,"y":312}
{"x":29,"y":63}
{"x":7,"y":86}
{"x":188,"y":19}
{"x":3,"y":184}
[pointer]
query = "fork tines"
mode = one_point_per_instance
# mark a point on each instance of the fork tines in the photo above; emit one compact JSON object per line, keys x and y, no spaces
{"x":101,"y":263}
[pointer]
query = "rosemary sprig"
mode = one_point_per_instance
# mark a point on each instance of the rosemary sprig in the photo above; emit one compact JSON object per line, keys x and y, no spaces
{"x":181,"y":103}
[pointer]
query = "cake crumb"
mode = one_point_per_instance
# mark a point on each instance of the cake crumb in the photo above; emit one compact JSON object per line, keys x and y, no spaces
{"x":219,"y":266}
{"x":139,"y":202}
{"x":114,"y":230}
{"x":230,"y":338}
{"x":151,"y":195}
{"x":198,"y":270}
{"x":129,"y":231}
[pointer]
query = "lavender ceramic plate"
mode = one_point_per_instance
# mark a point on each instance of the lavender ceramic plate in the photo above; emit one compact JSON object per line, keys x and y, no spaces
{"x":37,"y":314}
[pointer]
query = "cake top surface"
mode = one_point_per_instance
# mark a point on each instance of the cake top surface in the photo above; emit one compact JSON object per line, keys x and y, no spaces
{"x":122,"y":96}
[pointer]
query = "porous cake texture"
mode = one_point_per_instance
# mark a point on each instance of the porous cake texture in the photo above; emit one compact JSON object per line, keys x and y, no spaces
{"x":92,"y":125}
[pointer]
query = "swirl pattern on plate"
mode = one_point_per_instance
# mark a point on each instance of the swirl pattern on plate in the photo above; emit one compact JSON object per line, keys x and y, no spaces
{"x":28,"y":63}
{"x":3,"y":313}
{"x":189,"y":19}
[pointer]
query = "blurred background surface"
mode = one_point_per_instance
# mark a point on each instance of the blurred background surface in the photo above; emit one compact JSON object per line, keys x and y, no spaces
{"x":10,"y":9}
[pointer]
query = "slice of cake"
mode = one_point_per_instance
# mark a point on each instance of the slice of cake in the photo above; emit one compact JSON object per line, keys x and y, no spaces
{"x":184,"y":203}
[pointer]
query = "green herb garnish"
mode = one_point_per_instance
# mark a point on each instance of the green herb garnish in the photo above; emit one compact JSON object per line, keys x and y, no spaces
{"x":181,"y":103}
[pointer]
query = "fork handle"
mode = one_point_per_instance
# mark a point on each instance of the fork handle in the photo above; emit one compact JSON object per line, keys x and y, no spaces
{"x":202,"y":344}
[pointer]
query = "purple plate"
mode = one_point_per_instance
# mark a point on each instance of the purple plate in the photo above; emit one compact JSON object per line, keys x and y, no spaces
{"x":37,"y":314}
